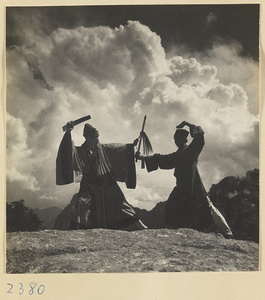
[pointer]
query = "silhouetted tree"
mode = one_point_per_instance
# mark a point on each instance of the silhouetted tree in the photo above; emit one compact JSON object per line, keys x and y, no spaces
{"x":21,"y":218}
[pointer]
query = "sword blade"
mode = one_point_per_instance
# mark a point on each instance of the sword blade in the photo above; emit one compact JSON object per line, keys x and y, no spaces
{"x":83,"y":119}
{"x":78,"y":121}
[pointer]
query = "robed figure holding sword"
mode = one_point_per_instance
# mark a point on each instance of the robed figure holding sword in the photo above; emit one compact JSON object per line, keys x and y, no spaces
{"x":100,"y":202}
{"x":188,"y":205}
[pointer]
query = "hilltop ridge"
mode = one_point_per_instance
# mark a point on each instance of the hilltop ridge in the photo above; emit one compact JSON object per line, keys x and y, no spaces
{"x":116,"y":251}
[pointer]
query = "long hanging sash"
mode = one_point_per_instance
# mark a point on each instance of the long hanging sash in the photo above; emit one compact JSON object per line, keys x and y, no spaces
{"x":103,"y":166}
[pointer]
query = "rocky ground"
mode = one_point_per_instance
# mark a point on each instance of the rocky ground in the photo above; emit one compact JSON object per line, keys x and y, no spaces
{"x":108,"y":251}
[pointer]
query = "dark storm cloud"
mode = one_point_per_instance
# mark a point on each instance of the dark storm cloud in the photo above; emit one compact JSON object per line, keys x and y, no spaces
{"x":37,"y":75}
{"x":196,"y":26}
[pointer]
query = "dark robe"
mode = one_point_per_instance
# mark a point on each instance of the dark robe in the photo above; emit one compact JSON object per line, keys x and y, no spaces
{"x":100,"y":201}
{"x":187,"y":205}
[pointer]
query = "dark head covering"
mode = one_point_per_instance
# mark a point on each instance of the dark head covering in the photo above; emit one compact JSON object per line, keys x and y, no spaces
{"x":181,"y":132}
{"x":90,"y":131}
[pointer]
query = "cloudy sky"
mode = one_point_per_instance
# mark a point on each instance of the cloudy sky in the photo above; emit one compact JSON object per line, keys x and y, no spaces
{"x":119,"y":63}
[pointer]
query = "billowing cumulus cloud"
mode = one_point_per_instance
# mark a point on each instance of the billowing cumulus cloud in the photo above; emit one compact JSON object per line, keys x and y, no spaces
{"x":118,"y":76}
{"x":190,"y":71}
{"x":18,"y":153}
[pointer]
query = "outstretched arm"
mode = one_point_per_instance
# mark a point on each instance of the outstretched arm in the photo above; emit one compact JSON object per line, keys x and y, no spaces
{"x":139,"y":156}
{"x":156,"y":161}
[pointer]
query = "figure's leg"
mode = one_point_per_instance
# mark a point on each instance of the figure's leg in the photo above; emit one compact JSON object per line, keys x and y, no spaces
{"x":120,"y":214}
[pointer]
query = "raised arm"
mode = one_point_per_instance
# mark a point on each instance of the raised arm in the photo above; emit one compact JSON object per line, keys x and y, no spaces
{"x":68,"y":163}
{"x":196,"y":132}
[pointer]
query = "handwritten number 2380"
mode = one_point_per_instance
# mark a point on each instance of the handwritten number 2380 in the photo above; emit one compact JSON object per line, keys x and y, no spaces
{"x":40,"y":290}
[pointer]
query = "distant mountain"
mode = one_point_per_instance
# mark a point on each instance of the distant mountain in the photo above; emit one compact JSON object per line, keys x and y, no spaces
{"x":63,"y":219}
{"x":154,"y":218}
{"x":48,"y":215}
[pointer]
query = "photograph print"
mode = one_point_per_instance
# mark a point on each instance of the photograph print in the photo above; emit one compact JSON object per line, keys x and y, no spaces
{"x":132,"y":138}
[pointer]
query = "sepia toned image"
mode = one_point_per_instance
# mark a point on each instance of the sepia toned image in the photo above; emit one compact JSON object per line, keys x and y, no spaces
{"x":132,"y":139}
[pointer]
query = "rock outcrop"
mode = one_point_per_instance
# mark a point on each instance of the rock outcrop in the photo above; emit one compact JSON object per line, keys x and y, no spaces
{"x":116,"y":251}
{"x":238,"y":200}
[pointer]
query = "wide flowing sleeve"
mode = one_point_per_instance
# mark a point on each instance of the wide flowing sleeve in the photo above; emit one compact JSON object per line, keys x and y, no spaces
{"x":161,"y":161}
{"x":68,"y":163}
{"x":121,"y":158}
